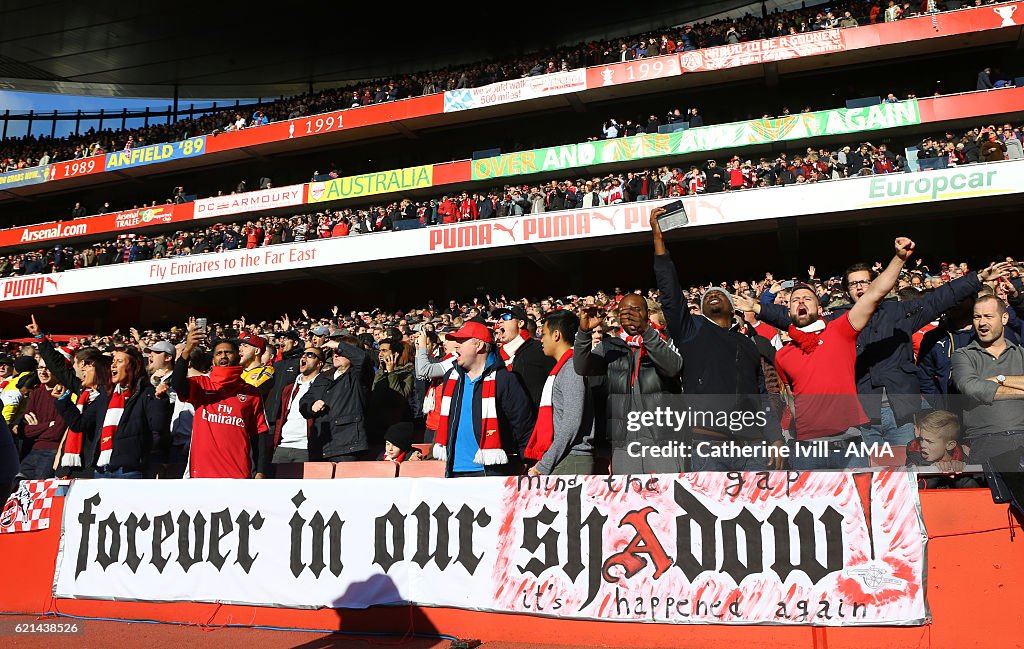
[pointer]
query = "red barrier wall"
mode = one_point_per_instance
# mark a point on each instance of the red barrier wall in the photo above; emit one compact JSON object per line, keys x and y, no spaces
{"x":975,"y":586}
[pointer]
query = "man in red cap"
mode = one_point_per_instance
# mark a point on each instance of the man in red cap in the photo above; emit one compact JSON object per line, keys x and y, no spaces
{"x":254,"y":371}
{"x":485,"y":418}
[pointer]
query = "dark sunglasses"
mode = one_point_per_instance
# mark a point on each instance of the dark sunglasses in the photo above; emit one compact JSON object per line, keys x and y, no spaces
{"x":505,"y":316}
{"x":312,"y":355}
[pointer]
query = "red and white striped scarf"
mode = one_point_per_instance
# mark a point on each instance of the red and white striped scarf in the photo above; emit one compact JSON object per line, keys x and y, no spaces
{"x":110,"y":421}
{"x":431,"y":402}
{"x":544,"y":430}
{"x":72,"y":456}
{"x":489,"y":441}
{"x":513,"y":345}
{"x":637,"y":341}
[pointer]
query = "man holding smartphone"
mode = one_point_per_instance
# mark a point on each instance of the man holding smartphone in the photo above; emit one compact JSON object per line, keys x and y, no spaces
{"x":229,"y":418}
{"x":721,"y":373}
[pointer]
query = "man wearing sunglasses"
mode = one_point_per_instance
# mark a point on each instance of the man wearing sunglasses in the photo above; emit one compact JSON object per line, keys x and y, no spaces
{"x":522,"y":353}
{"x":293,"y":433}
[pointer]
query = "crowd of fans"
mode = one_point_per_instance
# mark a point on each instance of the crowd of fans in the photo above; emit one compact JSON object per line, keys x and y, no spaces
{"x":548,"y":375}
{"x":813,"y":165}
{"x":31,"y":151}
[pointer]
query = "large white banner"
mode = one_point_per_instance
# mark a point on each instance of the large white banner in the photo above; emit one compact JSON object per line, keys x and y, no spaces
{"x":504,"y":92}
{"x":783,"y":548}
{"x":854,"y":194}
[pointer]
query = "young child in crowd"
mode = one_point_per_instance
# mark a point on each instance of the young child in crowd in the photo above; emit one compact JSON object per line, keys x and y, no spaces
{"x":935,"y":444}
{"x":398,"y":446}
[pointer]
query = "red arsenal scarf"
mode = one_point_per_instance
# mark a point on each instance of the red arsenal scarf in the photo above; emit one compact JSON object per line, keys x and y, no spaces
{"x":72,"y":456}
{"x":544,"y":430}
{"x":489,"y":442}
{"x":222,"y":376}
{"x":637,"y":342}
{"x":111,"y":419}
{"x":807,"y":338}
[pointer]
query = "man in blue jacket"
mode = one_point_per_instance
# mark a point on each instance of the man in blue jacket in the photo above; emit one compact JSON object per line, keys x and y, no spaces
{"x":886,"y":372}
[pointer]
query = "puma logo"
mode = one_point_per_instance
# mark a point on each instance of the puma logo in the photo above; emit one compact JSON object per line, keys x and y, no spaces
{"x":605,"y":218}
{"x":510,"y":231}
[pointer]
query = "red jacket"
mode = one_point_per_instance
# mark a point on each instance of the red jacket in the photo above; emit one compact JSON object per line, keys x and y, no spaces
{"x":447,"y":211}
{"x":286,"y":404}
{"x":340,"y":230}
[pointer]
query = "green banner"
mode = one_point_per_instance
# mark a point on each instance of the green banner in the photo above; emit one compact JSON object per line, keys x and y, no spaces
{"x":695,"y":140}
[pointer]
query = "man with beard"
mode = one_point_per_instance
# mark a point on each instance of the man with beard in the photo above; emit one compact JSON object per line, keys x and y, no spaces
{"x":229,"y":419}
{"x":292,"y":435}
{"x":722,"y":366}
{"x":820,"y":368}
{"x":885,"y":371}
{"x":638,"y":364}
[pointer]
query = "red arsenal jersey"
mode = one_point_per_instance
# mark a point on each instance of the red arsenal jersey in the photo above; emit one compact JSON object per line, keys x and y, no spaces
{"x":225,"y":420}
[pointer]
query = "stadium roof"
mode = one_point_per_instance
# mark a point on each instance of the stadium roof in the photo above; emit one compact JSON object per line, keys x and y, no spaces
{"x":238,"y":49}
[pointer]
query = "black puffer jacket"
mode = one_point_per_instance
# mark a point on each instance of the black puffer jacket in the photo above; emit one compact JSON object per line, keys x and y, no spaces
{"x":658,"y":374}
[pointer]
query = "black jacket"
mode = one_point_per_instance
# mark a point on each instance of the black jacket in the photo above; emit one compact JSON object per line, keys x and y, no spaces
{"x":722,"y":365}
{"x":286,"y":371}
{"x":658,"y":374}
{"x":341,"y":427}
{"x":58,"y":366}
{"x":714,"y":178}
{"x":515,"y":417}
{"x":532,"y":367}
{"x":885,"y":350}
{"x":145,"y":419}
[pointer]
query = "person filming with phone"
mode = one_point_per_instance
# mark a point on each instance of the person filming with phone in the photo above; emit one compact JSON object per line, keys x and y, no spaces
{"x":639,"y":363}
{"x":721,"y":369}
{"x":229,"y":420}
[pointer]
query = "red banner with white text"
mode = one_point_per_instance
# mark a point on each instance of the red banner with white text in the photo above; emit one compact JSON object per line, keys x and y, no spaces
{"x":116,"y":222}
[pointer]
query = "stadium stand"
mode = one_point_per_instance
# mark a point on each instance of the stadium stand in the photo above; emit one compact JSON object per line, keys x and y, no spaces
{"x":428,"y":382}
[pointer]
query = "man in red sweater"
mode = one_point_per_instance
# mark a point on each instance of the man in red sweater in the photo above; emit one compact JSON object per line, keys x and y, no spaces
{"x":819,"y":367}
{"x":41,"y":428}
{"x":229,"y":420}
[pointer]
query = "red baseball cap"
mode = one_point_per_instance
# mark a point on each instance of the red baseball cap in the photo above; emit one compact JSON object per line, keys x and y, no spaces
{"x":472,"y":330}
{"x":254,"y":340}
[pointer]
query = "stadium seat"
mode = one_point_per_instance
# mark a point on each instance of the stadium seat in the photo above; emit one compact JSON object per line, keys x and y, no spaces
{"x":307,"y":470}
{"x":380,"y":469}
{"x":899,"y":457}
{"x":426,"y":469}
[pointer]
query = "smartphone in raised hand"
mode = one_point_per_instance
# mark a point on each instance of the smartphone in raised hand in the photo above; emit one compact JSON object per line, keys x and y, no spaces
{"x":674,"y":216}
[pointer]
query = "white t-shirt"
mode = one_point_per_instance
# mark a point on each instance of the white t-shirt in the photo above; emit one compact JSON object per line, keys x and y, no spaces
{"x":293,"y":430}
